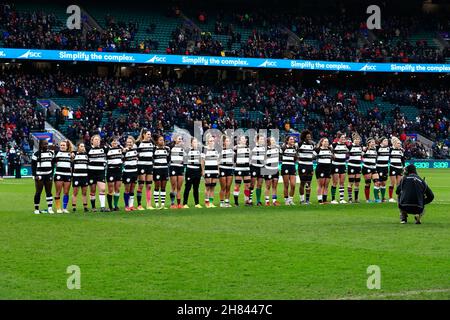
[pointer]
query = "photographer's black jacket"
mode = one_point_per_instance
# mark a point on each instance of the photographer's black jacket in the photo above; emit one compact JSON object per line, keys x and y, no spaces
{"x":414,"y":192}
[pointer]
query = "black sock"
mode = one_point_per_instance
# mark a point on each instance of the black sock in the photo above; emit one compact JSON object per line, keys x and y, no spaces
{"x":139,"y":198}
{"x":333,"y":193}
{"x":324,"y":197}
{"x":356,"y":194}
{"x":109,"y":197}
{"x":236,"y":200}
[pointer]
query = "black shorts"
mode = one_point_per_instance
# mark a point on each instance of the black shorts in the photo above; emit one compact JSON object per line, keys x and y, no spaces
{"x":353,"y":170}
{"x":44,"y":177}
{"x":305,"y":170}
{"x":193,"y":173}
{"x":176,"y":171}
{"x":211,"y":175}
{"x":225,"y":172}
{"x":242,"y":173}
{"x":114,"y":175}
{"x":160,"y":174}
{"x":287,"y":170}
{"x":80,"y":182}
{"x":340,"y":169}
{"x":366,"y":170}
{"x":271,"y":176}
{"x":255,"y":172}
{"x":129,"y":177}
{"x":383,"y":173}
{"x":411,"y":209}
{"x":59,"y":177}
{"x":95,"y":177}
{"x":323,"y":171}
{"x":145,"y":170}
{"x":395,"y":172}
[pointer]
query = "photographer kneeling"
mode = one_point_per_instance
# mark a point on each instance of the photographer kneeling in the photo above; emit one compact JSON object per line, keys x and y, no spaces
{"x":413,"y":194}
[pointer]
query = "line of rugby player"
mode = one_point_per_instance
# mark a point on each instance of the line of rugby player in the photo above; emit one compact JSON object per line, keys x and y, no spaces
{"x":104,"y":168}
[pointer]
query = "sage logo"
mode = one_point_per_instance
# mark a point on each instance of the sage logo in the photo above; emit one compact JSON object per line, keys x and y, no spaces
{"x":368,"y":67}
{"x":374,"y":20}
{"x":268,"y":63}
{"x":156,"y":59}
{"x":74,"y":20}
{"x":31,"y":54}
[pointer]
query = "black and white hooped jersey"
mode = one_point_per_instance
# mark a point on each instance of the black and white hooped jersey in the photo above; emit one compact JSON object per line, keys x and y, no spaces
{"x":130,"y":160}
{"x":370,"y":158}
{"x":145,"y":153}
{"x":288,"y":155}
{"x":257,"y":156}
{"x":211,"y":158}
{"x":193,"y":159}
{"x":242,"y":155}
{"x":226,"y":158}
{"x":397,"y":158}
{"x":80,"y":165}
{"x":272,"y":158}
{"x":177,"y":155}
{"x":355,"y":156}
{"x":383,"y":154}
{"x":323,"y":156}
{"x":305,"y":153}
{"x":97,"y":159}
{"x":63,"y":163}
{"x":340,"y":152}
{"x":114,"y":158}
{"x":43,"y":162}
{"x":161,"y":157}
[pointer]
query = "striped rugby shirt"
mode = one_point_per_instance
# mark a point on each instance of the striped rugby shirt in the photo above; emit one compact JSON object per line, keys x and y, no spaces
{"x":355,"y":156}
{"x":114,"y":158}
{"x":323,"y":156}
{"x":340,"y":151}
{"x":383,"y":154}
{"x":63,"y":163}
{"x":161,"y":157}
{"x":272,"y":159}
{"x":43,"y":163}
{"x":211,"y":158}
{"x":145,"y":153}
{"x":242,"y":155}
{"x":80,"y":165}
{"x":177,"y":156}
{"x":288,"y":155}
{"x":97,"y":159}
{"x":305,"y":153}
{"x":227,"y":158}
{"x":257,"y":156}
{"x":194,"y":159}
{"x":370,"y":158}
{"x":130,"y":161}
{"x":397,"y":158}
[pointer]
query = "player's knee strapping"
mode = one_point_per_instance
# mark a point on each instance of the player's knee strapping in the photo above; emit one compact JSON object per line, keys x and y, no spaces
{"x":247,"y":180}
{"x":351,"y":180}
{"x":368,"y":181}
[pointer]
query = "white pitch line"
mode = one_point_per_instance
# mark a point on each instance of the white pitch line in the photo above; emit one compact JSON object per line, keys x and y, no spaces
{"x":396,"y":294}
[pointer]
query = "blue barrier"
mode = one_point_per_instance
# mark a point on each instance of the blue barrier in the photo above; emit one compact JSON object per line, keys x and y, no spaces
{"x":164,"y":59}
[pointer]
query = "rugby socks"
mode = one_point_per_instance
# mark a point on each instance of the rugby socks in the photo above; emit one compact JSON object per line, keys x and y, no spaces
{"x":267,"y":198}
{"x":162,"y":195}
{"x":383,"y":192}
{"x":391,"y":191}
{"x":179,"y":200}
{"x":49,"y":199}
{"x":110,"y":201}
{"x":131,"y":200}
{"x":333,"y":193}
{"x":172,"y":198}
{"x":250,"y":194}
{"x":57,"y":203}
{"x":341,"y":193}
{"x":116,"y":199}
{"x":246,"y":195}
{"x":93,"y":201}
{"x":65,"y":201}
{"x":320,"y":198}
{"x":367,"y":191}
{"x":356,"y":193}
{"x":148,"y":196}
{"x":139,"y":198}
{"x":156,"y":197}
{"x":258,"y":195}
{"x":126,"y":198}
{"x":236,"y":196}
{"x":227,"y":202}
{"x":102,"y":199}
{"x":376,"y":193}
{"x":324,"y":197}
{"x":274,"y":198}
{"x":350,"y":193}
{"x":37,"y":200}
{"x":308,"y":192}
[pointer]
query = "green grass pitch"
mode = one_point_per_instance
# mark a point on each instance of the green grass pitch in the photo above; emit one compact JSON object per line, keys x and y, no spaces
{"x":299,"y":252}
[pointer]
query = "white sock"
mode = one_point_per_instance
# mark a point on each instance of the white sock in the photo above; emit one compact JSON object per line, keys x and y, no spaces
{"x":131,"y":201}
{"x":302,"y":197}
{"x":102,"y":200}
{"x":319,"y":197}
